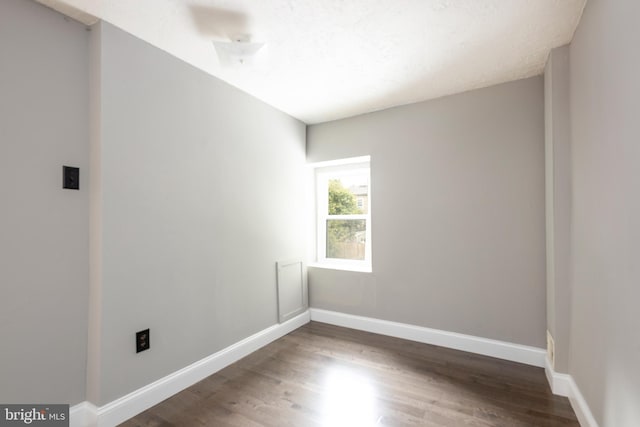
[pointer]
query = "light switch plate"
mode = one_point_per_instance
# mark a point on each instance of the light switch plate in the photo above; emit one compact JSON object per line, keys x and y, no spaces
{"x":70,"y":177}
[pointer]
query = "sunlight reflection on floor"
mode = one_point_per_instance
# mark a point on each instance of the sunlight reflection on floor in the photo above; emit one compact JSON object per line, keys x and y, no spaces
{"x":350,"y":400}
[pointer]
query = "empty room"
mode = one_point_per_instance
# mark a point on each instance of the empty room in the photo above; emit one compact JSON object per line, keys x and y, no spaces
{"x":319,"y":213}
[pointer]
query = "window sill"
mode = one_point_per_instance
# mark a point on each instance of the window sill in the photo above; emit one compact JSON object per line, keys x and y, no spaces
{"x":340,"y":266}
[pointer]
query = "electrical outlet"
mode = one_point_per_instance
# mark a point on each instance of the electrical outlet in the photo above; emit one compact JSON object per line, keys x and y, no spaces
{"x":551,"y":349}
{"x":143,"y":341}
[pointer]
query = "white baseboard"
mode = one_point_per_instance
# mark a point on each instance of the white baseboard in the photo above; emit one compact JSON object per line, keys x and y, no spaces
{"x":582,"y":410}
{"x":82,"y":415}
{"x":560,"y":383}
{"x":86,"y":414}
{"x":564,"y":385}
{"x":499,"y":349}
{"x":120,"y":410}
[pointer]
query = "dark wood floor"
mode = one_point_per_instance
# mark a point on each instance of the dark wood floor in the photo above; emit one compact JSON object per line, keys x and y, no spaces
{"x":326,"y":376}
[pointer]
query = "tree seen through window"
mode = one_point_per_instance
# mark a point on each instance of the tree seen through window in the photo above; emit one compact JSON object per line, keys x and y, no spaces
{"x":346,"y":238}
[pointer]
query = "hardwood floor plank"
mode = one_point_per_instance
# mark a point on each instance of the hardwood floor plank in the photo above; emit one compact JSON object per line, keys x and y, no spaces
{"x":326,"y":376}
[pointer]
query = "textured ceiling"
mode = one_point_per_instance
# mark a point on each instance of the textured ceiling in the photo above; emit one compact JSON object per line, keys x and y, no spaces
{"x":329,"y":59}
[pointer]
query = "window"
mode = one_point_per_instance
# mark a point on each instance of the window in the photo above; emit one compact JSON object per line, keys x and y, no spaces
{"x":344,"y":216}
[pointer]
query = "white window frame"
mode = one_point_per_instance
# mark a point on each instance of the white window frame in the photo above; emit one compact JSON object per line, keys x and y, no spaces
{"x":323,"y":173}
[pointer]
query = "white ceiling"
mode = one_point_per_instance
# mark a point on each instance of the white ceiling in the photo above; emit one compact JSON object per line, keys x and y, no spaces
{"x":329,"y":59}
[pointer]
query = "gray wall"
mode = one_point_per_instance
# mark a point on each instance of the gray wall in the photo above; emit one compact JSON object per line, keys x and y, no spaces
{"x":201,"y":192}
{"x":605,"y":343}
{"x":44,"y":232}
{"x":558,"y":202}
{"x":458,"y":213}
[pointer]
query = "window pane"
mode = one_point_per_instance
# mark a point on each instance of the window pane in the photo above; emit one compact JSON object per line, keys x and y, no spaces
{"x":346,"y":238}
{"x":349,"y":195}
